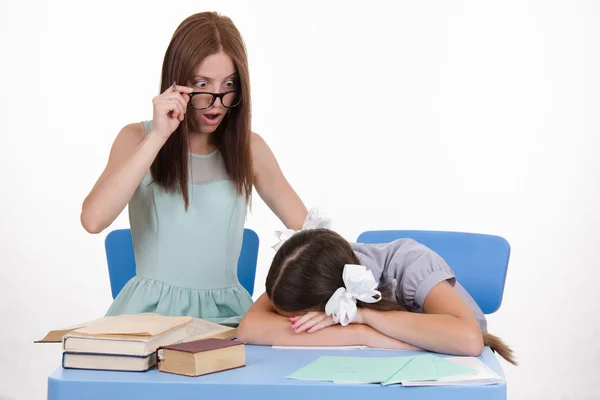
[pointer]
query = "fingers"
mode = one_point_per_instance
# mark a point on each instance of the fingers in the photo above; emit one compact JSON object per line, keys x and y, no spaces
{"x":308,"y":321}
{"x":174,"y":101}
{"x":327,"y":321}
{"x":181,"y":91}
{"x":178,"y":89}
{"x":169,"y":106}
{"x":181,"y":105}
{"x":297,"y":321}
{"x":171,"y":103}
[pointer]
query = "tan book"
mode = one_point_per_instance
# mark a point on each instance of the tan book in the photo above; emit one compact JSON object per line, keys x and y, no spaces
{"x":109,"y":362}
{"x":201,"y":357}
{"x":136,"y":334}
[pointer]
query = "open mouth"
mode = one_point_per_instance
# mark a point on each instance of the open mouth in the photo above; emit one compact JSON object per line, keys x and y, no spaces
{"x":211,"y":117}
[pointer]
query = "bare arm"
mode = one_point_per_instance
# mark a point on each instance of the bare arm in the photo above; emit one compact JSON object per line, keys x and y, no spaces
{"x":263,"y":326}
{"x":447,"y":326}
{"x":130,"y":159}
{"x":273,"y":187}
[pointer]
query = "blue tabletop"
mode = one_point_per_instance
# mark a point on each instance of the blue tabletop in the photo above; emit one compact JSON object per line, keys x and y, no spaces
{"x":262,"y":378}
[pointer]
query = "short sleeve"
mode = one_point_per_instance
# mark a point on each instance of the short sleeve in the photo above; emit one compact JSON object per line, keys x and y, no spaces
{"x":417,"y":270}
{"x":374,"y":256}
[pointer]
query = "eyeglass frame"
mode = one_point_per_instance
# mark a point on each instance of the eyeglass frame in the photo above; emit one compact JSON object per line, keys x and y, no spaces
{"x":220,"y":96}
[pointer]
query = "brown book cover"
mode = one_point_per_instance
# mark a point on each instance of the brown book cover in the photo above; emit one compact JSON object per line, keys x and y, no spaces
{"x":198,"y":346}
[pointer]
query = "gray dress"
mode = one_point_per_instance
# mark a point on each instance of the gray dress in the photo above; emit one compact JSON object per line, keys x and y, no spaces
{"x":410,"y":270}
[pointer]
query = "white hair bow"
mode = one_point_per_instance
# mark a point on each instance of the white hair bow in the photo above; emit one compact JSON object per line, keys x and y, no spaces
{"x":313,"y":220}
{"x":360,"y":285}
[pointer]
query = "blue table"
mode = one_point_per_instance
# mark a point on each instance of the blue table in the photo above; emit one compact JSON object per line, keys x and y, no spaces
{"x":262,"y":378}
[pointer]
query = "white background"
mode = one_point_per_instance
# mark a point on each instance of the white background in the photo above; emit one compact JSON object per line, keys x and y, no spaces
{"x":472,"y":116}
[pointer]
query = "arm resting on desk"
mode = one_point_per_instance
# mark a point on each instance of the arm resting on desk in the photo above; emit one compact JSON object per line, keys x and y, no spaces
{"x":263,"y":326}
{"x":447,"y":326}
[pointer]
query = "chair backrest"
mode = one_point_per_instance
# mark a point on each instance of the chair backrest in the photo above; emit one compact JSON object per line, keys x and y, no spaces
{"x":479,"y":261}
{"x":121,"y":261}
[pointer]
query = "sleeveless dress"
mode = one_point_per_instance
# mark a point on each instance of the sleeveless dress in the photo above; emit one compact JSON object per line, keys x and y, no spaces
{"x":186,"y":262}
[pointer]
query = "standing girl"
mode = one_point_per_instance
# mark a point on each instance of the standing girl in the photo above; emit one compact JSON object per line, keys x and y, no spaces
{"x":188,"y":176}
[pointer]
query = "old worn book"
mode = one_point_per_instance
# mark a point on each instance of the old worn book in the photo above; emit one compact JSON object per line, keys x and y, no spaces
{"x":136,"y":334}
{"x":201,"y":357}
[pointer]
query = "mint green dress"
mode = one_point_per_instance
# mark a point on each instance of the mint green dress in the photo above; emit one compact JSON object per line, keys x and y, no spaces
{"x":186,"y":262}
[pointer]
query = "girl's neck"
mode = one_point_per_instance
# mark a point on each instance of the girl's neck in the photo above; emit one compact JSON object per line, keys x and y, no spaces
{"x":200,"y":143}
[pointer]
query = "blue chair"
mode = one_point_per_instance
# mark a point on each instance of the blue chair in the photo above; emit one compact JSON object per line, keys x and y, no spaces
{"x":121,"y":261}
{"x":479,"y":261}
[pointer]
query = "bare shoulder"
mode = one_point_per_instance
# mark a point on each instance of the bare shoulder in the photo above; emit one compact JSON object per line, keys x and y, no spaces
{"x":260,"y":148}
{"x":261,"y":152}
{"x":257,"y":142}
{"x":130,"y":136}
{"x":132,"y":133}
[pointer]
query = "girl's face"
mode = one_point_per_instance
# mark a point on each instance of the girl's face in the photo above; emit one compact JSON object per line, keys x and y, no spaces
{"x":216,"y":74}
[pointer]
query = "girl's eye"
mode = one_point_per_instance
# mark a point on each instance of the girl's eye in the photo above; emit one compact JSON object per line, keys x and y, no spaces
{"x":230,"y":84}
{"x":202,"y":84}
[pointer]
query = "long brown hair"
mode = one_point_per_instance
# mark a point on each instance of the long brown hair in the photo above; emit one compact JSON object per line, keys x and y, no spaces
{"x":196,"y":38}
{"x":308,"y":268}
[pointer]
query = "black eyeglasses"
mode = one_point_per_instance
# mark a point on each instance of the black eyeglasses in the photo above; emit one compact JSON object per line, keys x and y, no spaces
{"x":204,"y":100}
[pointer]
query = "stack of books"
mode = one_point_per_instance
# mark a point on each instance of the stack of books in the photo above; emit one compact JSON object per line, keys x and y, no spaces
{"x":129,"y":342}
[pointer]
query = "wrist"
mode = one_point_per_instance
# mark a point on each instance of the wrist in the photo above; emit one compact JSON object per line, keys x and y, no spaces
{"x":362,"y":334}
{"x":156,"y":138}
{"x":363,"y":315}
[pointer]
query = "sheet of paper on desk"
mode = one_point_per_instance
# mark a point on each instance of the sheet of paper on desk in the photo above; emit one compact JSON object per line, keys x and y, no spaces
{"x":320,"y":347}
{"x":332,"y":348}
{"x":421,"y":370}
{"x":428,"y":368}
{"x":351,"y":369}
{"x":482,"y":376}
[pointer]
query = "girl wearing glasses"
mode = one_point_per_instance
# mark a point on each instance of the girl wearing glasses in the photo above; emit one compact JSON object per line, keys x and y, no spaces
{"x":188,"y":176}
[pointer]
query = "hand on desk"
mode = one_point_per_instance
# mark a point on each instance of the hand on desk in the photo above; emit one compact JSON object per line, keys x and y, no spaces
{"x":314,"y":321}
{"x":263,"y":326}
{"x":311,"y":322}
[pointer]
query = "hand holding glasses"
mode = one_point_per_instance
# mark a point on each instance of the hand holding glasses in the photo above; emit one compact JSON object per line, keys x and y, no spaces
{"x":170,"y":106}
